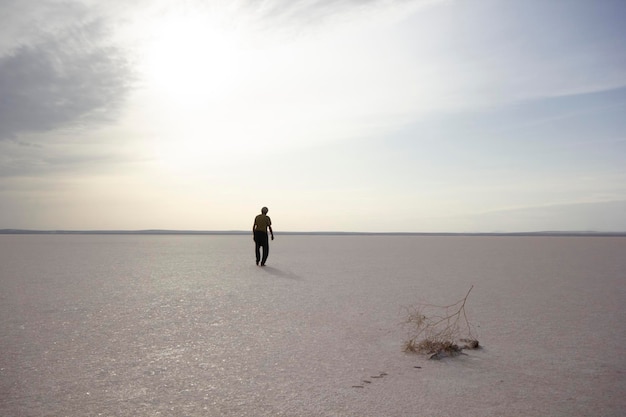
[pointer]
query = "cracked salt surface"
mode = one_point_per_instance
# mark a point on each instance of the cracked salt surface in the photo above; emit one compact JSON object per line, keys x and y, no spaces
{"x":190,"y":326}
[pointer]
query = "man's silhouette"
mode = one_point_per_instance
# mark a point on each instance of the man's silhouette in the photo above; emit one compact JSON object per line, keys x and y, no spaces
{"x":262,"y":222}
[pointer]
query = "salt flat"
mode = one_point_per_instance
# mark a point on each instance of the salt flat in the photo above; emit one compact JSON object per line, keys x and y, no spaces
{"x":189,"y":325}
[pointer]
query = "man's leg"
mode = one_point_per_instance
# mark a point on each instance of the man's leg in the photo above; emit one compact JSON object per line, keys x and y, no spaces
{"x":257,"y":248}
{"x":266,"y":249}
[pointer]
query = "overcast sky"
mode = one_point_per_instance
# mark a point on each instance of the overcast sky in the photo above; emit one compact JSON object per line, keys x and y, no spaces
{"x":339,"y":115}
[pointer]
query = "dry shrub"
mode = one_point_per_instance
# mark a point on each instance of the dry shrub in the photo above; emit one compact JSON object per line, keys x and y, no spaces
{"x":436,"y":330}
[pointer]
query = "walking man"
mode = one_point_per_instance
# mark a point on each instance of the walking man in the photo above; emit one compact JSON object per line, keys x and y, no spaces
{"x":262,"y":222}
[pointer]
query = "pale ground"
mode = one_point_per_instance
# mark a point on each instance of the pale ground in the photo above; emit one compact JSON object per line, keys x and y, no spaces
{"x":189,"y":326}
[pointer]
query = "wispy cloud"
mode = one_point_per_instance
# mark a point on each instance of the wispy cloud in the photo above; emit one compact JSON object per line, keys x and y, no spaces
{"x":288,"y":13}
{"x":586,"y":216}
{"x":69,"y":78}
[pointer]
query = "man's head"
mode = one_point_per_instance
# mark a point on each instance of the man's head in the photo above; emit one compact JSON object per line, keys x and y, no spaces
{"x":264,"y":210}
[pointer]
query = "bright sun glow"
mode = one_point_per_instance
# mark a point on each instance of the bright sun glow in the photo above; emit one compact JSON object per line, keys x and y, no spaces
{"x":191,"y":55}
{"x":191,"y":62}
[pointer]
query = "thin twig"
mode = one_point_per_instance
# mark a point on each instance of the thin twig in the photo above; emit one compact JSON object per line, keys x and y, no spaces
{"x":436,"y":333}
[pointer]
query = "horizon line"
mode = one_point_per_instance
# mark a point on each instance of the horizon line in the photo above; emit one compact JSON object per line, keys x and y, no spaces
{"x":326,"y":233}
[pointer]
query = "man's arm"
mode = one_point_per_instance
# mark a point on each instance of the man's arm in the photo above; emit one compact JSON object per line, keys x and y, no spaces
{"x":271,"y":231}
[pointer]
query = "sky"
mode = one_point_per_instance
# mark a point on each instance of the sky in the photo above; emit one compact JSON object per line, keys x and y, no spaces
{"x":343,"y":115}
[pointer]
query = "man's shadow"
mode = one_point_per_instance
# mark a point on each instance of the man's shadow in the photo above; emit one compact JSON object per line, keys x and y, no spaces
{"x":280,"y":273}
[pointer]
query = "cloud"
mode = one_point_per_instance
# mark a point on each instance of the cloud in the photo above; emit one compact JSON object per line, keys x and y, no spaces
{"x":72,"y":76}
{"x":516,"y":50}
{"x":314,"y":12}
{"x":589,"y":216}
{"x":25,"y":159}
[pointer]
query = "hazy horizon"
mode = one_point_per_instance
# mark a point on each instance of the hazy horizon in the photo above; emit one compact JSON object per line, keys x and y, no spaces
{"x":378,"y":116}
{"x":306,"y":232}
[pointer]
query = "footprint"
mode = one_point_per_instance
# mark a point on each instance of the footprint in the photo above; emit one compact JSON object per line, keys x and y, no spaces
{"x":367,"y":381}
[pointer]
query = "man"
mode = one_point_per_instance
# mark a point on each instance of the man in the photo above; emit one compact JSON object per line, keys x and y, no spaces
{"x":262,"y":222}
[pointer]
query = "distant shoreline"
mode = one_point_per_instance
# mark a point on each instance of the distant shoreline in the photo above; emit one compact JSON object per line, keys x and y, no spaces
{"x":241,"y":232}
